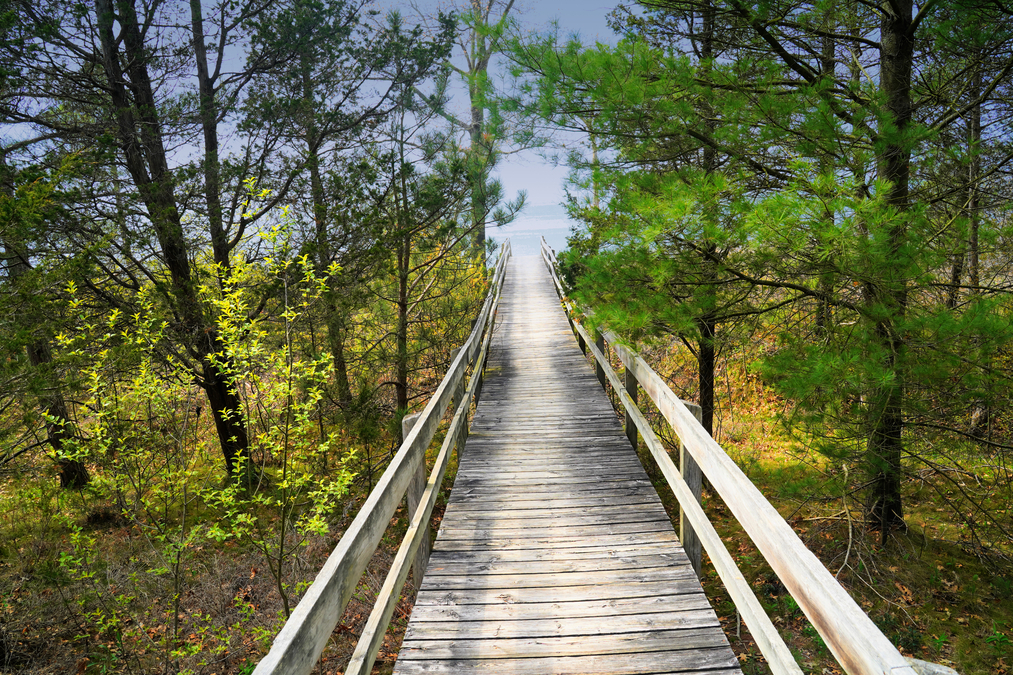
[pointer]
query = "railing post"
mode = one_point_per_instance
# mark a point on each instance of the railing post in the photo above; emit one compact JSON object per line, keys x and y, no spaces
{"x":481,"y":376}
{"x":632,"y":388}
{"x":599,"y":370}
{"x":458,"y":396}
{"x":694,"y":479}
{"x":416,"y":487}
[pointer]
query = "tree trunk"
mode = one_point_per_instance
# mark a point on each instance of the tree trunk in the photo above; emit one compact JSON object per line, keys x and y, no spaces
{"x":401,"y":359}
{"x":226,"y":408}
{"x":140,"y":136}
{"x":974,"y":175}
{"x":884,"y":449}
{"x":706,"y":324}
{"x":209,"y":126}
{"x":706,"y":360}
{"x":886,"y":410}
{"x":480,"y":155}
{"x":73,"y":473}
{"x":826,"y":276}
{"x":957,"y":259}
{"x":336,"y":332}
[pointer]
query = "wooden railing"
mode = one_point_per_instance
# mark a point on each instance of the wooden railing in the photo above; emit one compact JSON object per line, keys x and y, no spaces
{"x":855,"y":641}
{"x":301,"y":640}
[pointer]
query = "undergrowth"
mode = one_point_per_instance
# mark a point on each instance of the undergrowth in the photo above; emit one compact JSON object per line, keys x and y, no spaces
{"x":81,"y":592}
{"x":937,"y":591}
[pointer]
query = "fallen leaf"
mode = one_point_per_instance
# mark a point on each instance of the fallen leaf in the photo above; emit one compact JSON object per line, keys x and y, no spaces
{"x":905,"y":592}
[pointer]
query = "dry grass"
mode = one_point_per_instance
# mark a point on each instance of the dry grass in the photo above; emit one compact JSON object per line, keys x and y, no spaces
{"x":930,"y":589}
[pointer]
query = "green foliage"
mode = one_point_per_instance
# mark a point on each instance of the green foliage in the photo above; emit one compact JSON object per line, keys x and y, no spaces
{"x":149,"y":324}
{"x":275,"y":509}
{"x":149,"y":441}
{"x":732,"y":179}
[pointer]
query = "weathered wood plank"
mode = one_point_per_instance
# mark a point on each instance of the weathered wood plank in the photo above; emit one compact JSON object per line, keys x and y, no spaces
{"x":595,"y":523}
{"x":511,"y":595}
{"x":555,"y":554}
{"x":463,"y":531}
{"x":560,"y":542}
{"x":555,"y":579}
{"x":484,"y":628}
{"x":547,"y":477}
{"x":580,"y":552}
{"x":576,"y":476}
{"x":618,"y":499}
{"x":479,"y":487}
{"x":615,"y":607}
{"x":691,"y":639}
{"x":476,"y":495}
{"x":458,"y":567}
{"x":700,"y":662}
{"x":557,"y":512}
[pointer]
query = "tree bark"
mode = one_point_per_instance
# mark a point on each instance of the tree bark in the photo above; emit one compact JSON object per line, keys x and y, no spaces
{"x":73,"y":472}
{"x":957,"y":259}
{"x":884,"y":449}
{"x":140,"y":136}
{"x":886,"y":403}
{"x":209,"y":127}
{"x":336,"y":333}
{"x":826,"y":276}
{"x":974,"y":175}
{"x":401,"y":359}
{"x":706,"y":323}
{"x":226,"y":408}
{"x":706,"y":358}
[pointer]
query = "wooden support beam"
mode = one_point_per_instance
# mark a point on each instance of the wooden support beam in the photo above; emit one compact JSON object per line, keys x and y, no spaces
{"x":458,"y":396}
{"x":413,"y":497}
{"x":691,"y":473}
{"x":599,"y":368}
{"x":632,"y":388}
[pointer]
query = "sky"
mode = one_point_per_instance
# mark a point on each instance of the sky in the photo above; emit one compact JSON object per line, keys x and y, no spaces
{"x":543,"y":214}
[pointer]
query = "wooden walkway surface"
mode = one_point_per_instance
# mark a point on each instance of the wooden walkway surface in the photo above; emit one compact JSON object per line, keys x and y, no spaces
{"x":555,"y":554}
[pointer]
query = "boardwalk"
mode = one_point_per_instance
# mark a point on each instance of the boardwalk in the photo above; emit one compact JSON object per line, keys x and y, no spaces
{"x":555,"y":554}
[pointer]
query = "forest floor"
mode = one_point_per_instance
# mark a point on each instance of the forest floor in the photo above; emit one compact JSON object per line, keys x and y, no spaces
{"x":927,"y":588}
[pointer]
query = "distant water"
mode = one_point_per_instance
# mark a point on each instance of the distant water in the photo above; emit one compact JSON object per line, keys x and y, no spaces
{"x":525,"y":233}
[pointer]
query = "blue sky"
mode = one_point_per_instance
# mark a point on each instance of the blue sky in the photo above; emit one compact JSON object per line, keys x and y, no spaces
{"x":544,"y":214}
{"x":526,"y":170}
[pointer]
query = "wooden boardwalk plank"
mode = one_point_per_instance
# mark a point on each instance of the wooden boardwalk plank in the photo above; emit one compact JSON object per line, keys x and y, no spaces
{"x":575,"y":609}
{"x":556,"y":626}
{"x":555,"y":554}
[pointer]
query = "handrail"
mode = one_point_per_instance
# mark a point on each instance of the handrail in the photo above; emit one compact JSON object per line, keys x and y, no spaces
{"x":301,"y":640}
{"x":854,"y":640}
